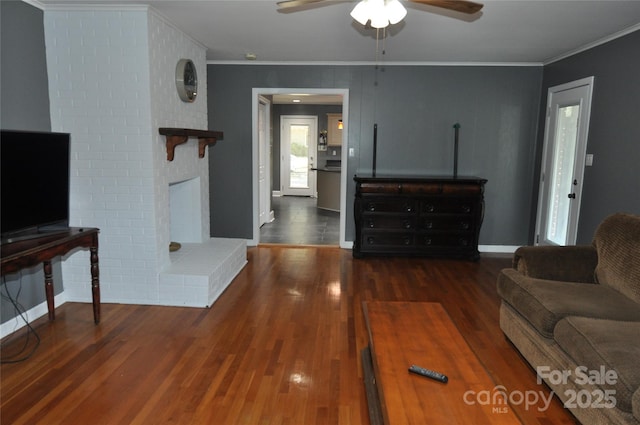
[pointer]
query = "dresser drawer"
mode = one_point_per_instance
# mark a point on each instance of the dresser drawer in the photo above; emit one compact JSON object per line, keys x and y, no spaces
{"x":379,"y":221}
{"x":461,"y":223}
{"x":447,"y":206}
{"x":463,"y":240}
{"x":389,"y":205}
{"x":378,"y":240}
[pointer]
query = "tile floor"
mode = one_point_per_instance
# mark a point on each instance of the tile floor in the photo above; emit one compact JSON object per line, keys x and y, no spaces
{"x":299,"y":222}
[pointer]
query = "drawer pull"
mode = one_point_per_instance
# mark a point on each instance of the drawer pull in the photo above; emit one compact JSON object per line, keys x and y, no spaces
{"x":464,"y":225}
{"x":427,"y":241}
{"x":464,"y":242}
{"x":430,"y":208}
{"x":371,"y":224}
{"x":466,"y":208}
{"x":408,"y":208}
{"x":371,"y":207}
{"x":407,"y":241}
{"x":370,"y":240}
{"x":406,"y":224}
{"x":429,"y":225}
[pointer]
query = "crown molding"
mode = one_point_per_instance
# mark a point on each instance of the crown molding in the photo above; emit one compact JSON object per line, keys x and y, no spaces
{"x":371,"y":63}
{"x":87,"y":6}
{"x":593,"y":44}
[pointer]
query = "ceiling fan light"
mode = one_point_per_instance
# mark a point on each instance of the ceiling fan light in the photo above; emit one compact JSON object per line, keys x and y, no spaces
{"x":395,"y":11}
{"x":379,"y":22}
{"x":361,"y":12}
{"x":378,"y":13}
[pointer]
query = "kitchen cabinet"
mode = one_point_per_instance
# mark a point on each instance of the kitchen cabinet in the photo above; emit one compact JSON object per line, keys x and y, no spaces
{"x":334,"y":134}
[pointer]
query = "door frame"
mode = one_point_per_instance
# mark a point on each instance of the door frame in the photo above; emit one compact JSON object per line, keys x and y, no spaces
{"x":265,"y":213}
{"x":580,"y":157}
{"x":312,"y":147}
{"x":266,"y":91}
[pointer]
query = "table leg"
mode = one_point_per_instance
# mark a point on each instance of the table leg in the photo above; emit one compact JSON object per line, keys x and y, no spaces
{"x":95,"y":284}
{"x":48,"y":289}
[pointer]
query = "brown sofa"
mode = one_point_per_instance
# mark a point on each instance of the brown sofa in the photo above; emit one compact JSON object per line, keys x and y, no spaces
{"x":574,"y":314}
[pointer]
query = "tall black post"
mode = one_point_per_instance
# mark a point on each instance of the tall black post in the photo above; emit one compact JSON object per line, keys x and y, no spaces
{"x":456,"y":126}
{"x":375,"y":147}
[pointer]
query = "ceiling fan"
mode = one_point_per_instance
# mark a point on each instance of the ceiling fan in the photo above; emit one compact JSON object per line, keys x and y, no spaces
{"x":372,"y":10}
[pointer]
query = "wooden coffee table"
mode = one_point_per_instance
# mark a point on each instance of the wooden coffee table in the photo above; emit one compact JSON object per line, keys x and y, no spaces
{"x":406,"y":333}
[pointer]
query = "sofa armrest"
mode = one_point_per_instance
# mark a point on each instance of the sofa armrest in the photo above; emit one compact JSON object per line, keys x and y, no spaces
{"x":566,"y":263}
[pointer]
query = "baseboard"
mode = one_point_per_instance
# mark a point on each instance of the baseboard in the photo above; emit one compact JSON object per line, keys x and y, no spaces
{"x":34,"y":313}
{"x":499,"y":249}
{"x":276,"y":193}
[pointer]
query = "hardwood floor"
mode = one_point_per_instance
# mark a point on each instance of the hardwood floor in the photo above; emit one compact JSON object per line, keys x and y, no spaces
{"x":280,"y":346}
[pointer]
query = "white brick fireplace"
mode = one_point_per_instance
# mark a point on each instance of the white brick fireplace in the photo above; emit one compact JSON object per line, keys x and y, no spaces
{"x":112,"y":85}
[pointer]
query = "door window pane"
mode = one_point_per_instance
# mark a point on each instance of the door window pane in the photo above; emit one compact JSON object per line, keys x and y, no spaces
{"x":562,"y":173}
{"x":299,"y":168}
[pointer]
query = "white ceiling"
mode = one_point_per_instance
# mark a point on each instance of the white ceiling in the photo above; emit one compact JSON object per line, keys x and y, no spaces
{"x":514,"y":31}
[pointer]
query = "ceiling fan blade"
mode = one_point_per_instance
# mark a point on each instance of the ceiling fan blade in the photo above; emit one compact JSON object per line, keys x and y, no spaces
{"x":295,"y":3}
{"x":459,"y":6}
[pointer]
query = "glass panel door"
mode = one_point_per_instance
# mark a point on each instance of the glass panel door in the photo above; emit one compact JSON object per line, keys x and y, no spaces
{"x":564,"y":151}
{"x":298,"y":147}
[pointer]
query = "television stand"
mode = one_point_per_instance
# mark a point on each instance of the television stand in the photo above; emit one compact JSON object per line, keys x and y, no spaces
{"x":25,"y":253}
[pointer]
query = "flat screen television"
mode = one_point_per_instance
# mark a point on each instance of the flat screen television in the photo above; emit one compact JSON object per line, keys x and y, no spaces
{"x":34,"y":181}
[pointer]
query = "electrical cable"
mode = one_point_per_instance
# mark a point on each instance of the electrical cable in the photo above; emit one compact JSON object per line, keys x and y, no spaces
{"x":21,"y":312}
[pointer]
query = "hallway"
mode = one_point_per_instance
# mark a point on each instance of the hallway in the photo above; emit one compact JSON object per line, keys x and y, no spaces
{"x":299,"y":222}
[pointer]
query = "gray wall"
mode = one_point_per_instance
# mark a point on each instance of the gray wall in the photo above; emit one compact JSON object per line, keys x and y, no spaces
{"x":612,"y":184}
{"x":415,"y":108}
{"x":24,"y":105}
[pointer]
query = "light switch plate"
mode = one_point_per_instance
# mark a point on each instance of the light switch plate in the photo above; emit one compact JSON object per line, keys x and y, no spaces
{"x":589,"y":160}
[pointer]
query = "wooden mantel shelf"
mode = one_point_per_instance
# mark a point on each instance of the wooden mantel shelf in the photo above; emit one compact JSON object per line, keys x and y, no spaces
{"x":178,"y":136}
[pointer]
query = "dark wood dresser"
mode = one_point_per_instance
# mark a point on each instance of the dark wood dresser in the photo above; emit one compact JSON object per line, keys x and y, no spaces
{"x":418,"y":216}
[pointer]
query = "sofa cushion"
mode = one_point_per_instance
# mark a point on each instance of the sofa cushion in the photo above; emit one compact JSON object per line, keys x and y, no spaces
{"x":617,"y":241}
{"x":609,"y":344}
{"x":544,"y":302}
{"x":635,"y":403}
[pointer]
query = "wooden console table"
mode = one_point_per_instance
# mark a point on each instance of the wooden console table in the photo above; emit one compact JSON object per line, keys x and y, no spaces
{"x":402,"y":334}
{"x":31,"y":252}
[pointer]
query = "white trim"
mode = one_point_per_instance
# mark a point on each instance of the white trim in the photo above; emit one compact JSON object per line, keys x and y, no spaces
{"x":33,"y":314}
{"x":499,"y":249}
{"x":355,"y":63}
{"x":35,"y":3}
{"x":83,"y":7}
{"x":593,"y":44}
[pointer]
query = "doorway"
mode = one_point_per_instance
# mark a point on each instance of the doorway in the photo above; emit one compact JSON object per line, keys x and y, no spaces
{"x":268,"y":93}
{"x":298,"y":147}
{"x":563,"y":162}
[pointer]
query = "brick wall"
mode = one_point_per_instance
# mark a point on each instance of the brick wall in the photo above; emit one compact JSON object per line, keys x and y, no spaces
{"x":111,"y":85}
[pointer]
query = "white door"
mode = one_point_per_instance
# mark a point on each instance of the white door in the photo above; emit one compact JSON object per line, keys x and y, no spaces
{"x":264,"y":161}
{"x":563,"y":162}
{"x":298,"y":149}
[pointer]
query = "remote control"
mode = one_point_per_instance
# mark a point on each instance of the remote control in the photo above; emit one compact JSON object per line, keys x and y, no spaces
{"x":429,"y":373}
